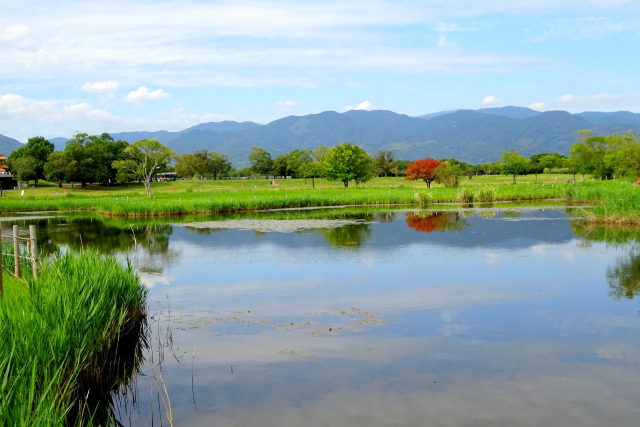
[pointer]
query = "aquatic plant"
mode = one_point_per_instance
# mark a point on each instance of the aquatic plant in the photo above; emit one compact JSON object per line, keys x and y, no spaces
{"x":61,"y":341}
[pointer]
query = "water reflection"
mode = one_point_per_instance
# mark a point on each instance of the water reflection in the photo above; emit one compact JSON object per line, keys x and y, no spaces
{"x":624,"y":277}
{"x":349,"y":236}
{"x":501,"y":318}
{"x":429,"y":222}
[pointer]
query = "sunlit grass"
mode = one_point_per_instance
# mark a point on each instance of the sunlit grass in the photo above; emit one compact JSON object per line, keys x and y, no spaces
{"x":59,"y":336}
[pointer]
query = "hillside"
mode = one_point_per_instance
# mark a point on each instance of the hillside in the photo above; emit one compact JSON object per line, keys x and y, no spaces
{"x":473,"y":136}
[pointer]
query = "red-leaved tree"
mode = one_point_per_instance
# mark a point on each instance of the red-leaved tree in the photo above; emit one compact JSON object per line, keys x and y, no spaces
{"x":423,"y":169}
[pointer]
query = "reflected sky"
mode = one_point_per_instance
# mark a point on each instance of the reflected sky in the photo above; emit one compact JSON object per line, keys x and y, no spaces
{"x":483,"y":318}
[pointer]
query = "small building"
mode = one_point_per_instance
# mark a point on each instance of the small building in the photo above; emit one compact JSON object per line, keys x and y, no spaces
{"x":4,"y":169}
{"x":7,"y":181}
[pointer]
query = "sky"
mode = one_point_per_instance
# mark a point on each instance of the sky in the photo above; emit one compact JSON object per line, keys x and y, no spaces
{"x":112,"y":66}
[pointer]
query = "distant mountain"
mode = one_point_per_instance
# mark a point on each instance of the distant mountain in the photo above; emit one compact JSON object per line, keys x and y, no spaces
{"x":224,"y":126}
{"x":511,"y":112}
{"x":473,"y":136}
{"x":7,"y":145}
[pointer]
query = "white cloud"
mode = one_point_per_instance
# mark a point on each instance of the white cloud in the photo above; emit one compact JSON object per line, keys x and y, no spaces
{"x":104,"y":87}
{"x":538,"y":106}
{"x":14,"y":33}
{"x":286,"y":105}
{"x":593,"y":27}
{"x":59,"y":118}
{"x":602,"y":101}
{"x":366,"y":105}
{"x":144,"y":94}
{"x":490,"y":100}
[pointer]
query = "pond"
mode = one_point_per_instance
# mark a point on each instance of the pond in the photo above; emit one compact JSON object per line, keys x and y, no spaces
{"x":504,"y":316}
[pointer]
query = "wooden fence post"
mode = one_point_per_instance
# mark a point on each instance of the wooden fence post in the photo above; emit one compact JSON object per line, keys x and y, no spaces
{"x":16,"y":252}
{"x":34,"y":251}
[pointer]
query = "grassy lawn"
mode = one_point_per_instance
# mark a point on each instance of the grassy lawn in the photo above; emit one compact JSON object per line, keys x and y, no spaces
{"x":47,"y":189}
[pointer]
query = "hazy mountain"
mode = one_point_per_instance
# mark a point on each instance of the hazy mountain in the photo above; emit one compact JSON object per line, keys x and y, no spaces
{"x":473,"y":136}
{"x":511,"y":112}
{"x":7,"y":145}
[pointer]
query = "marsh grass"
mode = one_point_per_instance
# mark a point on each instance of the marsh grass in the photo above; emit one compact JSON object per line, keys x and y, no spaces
{"x":74,"y":339}
{"x":222,"y":197}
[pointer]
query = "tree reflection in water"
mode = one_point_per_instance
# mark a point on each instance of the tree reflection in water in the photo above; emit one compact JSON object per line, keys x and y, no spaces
{"x":624,"y":277}
{"x":429,"y":222}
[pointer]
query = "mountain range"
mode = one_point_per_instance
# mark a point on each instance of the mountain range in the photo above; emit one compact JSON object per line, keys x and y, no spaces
{"x":473,"y":136}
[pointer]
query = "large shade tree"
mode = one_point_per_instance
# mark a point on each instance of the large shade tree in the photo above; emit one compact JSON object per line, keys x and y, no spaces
{"x":93,"y":157}
{"x":261,"y":161}
{"x":514,"y":164}
{"x":347,"y":162}
{"x":424,"y":169}
{"x":38,"y":149}
{"x":142,"y":160}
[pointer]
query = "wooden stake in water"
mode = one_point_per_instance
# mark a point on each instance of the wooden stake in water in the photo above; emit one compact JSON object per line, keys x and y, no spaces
{"x":16,"y":252}
{"x":34,"y":250}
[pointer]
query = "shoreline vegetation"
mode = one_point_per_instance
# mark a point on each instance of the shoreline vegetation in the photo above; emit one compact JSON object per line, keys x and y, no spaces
{"x":615,"y":202}
{"x":71,"y":343}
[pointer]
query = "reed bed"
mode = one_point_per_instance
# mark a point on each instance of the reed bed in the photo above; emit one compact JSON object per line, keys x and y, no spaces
{"x":615,"y":201}
{"x":60,"y":340}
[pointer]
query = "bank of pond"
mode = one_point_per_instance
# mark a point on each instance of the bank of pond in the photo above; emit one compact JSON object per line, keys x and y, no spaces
{"x":614,"y":202}
{"x":72,"y":343}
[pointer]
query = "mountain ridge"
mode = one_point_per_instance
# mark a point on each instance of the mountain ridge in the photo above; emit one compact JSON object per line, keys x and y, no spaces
{"x":474,"y":136}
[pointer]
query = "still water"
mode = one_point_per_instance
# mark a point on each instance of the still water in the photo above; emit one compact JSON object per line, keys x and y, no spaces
{"x":476,"y":317}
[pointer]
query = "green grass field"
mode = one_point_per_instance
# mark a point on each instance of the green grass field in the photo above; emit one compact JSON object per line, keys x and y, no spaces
{"x":615,"y":201}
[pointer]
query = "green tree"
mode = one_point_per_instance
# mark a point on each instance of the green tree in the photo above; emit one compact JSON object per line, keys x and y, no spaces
{"x":298,"y":161}
{"x":347,"y":162}
{"x":59,"y":168}
{"x":94,"y":156}
{"x":25,"y":168}
{"x":281,"y":166}
{"x":143,"y":159}
{"x":192,"y":165}
{"x":38,"y":148}
{"x":261,"y":161}
{"x":218,"y":165}
{"x":588,"y":156}
{"x":448,"y":175}
{"x":623,"y":154}
{"x":384,"y":163}
{"x":400,"y":166}
{"x":514,"y":164}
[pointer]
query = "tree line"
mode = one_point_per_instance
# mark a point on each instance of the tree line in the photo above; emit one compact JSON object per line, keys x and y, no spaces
{"x":89,"y":159}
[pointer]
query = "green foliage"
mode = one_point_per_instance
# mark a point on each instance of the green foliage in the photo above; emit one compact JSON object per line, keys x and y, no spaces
{"x":261,"y":161}
{"x":202,"y":164}
{"x":59,"y":168}
{"x":347,"y":162}
{"x":25,"y":168}
{"x":384,"y":163}
{"x":514,"y":164}
{"x":143,"y":160}
{"x":486,"y":194}
{"x":90,"y":159}
{"x":466,"y":195}
{"x":448,"y":175}
{"x":38,"y":149}
{"x":57,"y":340}
{"x":423,"y":198}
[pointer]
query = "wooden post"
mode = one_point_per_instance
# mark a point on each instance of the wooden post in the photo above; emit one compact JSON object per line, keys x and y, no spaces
{"x":34,"y":250}
{"x":16,"y":252}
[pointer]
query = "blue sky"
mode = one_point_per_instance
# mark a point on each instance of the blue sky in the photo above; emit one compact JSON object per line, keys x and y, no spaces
{"x":111,"y":66}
